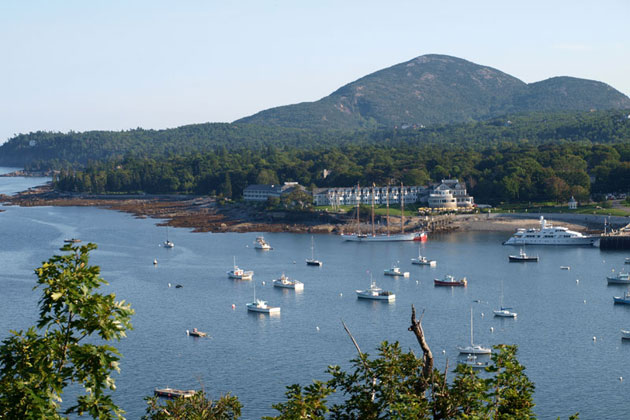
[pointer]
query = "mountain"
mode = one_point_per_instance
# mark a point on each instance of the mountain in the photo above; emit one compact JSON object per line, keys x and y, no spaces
{"x":439,"y":89}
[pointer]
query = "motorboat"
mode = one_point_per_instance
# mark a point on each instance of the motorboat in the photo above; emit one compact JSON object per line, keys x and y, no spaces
{"x":550,"y":235}
{"x":449,"y":280}
{"x":522,"y":257}
{"x":261,"y":306}
{"x":565,"y":267}
{"x":474,"y":363}
{"x":312,"y":260}
{"x":394,"y":271}
{"x":422,"y":260}
{"x":621,"y":278}
{"x":72,"y":241}
{"x":239,"y":274}
{"x":625,"y":334}
{"x":260,"y":243}
{"x":375,"y":293}
{"x":196,"y":333}
{"x":286,"y":283}
{"x":173,"y":393}
{"x":627,"y":261}
{"x":623,"y":299}
{"x":473,"y":348}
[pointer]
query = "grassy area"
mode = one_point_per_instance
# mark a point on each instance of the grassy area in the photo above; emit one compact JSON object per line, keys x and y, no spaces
{"x":555,"y":208}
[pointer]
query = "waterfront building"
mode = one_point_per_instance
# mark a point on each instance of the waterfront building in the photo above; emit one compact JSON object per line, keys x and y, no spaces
{"x":350,"y":196}
{"x":450,"y":194}
{"x":261,"y":192}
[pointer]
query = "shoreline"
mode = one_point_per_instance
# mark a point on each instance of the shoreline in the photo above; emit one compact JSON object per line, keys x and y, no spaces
{"x":204,"y":214}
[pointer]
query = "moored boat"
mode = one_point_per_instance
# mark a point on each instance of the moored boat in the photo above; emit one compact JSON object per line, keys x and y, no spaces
{"x":261,"y":306}
{"x":620,"y":278}
{"x":287,"y":283}
{"x":550,"y":235}
{"x":422,"y":260}
{"x":72,"y":240}
{"x":375,"y":293}
{"x":522,"y":257}
{"x":261,"y":244}
{"x":623,"y":299}
{"x":173,"y":393}
{"x":196,"y":333}
{"x":625,"y":334}
{"x":239,"y":274}
{"x":474,"y":363}
{"x":473,"y":348}
{"x":394,"y":271}
{"x":312,"y":260}
{"x":449,"y":280}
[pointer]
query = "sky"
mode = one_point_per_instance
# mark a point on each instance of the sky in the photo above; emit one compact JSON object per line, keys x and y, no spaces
{"x":121,"y":64}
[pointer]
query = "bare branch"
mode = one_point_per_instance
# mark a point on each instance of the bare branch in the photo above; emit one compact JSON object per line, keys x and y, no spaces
{"x":427,"y":358}
{"x":365,"y":365}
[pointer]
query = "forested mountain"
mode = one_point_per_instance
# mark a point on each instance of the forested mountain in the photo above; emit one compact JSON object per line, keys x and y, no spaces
{"x":43,"y":150}
{"x":439,"y":89}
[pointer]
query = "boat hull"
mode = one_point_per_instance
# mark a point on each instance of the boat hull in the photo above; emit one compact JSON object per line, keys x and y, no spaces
{"x":387,"y":298}
{"x":474,"y":350}
{"x":615,"y":280}
{"x":625,"y":334}
{"x":585,"y":241}
{"x":267,"y":310}
{"x":294,"y":286}
{"x":516,"y":258}
{"x":504,"y":314}
{"x":399,"y":237}
{"x":314,"y":263}
{"x":449,"y":283}
{"x":622,"y":300}
{"x":427,"y":263}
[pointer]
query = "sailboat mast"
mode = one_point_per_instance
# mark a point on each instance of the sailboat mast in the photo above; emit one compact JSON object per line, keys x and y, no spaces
{"x":471,"y":327}
{"x":312,"y":248}
{"x":402,"y":209}
{"x":373,"y":210}
{"x":387,"y":200}
{"x":358,"y":205}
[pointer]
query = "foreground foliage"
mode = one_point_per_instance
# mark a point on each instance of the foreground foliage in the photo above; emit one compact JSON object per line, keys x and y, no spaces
{"x":37,"y":365}
{"x":197,"y":407}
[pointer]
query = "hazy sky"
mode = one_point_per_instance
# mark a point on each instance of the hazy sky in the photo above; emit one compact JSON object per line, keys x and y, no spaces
{"x":84,"y":65}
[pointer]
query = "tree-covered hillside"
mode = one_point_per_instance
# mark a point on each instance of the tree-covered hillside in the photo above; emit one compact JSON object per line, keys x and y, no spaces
{"x":438,"y":89}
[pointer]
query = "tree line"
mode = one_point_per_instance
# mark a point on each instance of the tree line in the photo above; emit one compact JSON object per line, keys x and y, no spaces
{"x":500,"y":172}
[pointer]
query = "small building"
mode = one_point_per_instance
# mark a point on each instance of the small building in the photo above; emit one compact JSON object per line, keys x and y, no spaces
{"x":573,"y":203}
{"x":261,"y":192}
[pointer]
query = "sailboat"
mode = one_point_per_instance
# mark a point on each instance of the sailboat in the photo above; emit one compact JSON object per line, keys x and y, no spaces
{"x":503,"y":311}
{"x":312,"y":260}
{"x":167,"y":243}
{"x":402,"y":236}
{"x":473,"y":348}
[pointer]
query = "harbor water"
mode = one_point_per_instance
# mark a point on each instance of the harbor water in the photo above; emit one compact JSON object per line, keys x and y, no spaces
{"x":567,"y":329}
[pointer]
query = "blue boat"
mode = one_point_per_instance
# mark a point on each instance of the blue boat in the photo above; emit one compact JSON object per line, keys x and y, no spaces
{"x":623,"y":299}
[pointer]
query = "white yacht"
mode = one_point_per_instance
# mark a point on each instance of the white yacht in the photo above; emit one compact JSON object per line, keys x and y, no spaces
{"x":550,"y":235}
{"x":239,"y":273}
{"x":286,"y":283}
{"x":260,"y":243}
{"x":375,"y":293}
{"x":262,"y":307}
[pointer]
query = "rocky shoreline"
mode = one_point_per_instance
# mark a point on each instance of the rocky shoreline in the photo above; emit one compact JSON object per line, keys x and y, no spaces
{"x":205,"y":214}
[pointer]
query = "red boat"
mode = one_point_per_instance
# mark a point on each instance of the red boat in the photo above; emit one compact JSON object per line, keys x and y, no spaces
{"x":420,"y":237}
{"x":450,"y":281}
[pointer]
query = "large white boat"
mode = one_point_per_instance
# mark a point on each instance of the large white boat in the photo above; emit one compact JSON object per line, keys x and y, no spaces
{"x":286,"y":283}
{"x":261,"y":306}
{"x":375,"y":293}
{"x":621,"y":278}
{"x":550,"y":235}
{"x":239,"y":273}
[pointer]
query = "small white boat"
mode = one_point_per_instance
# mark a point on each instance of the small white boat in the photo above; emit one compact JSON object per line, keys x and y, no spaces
{"x":394,"y":271}
{"x":167,"y":243}
{"x":503,"y":312}
{"x":262,"y":307}
{"x":260,"y":243}
{"x":239,"y":274}
{"x":472,"y":361}
{"x":522,"y":257}
{"x":375,"y":293}
{"x":627,"y":261}
{"x":173,"y":393}
{"x":422,"y":260}
{"x":625,"y":334}
{"x":286,"y":283}
{"x":196,"y":333}
{"x":620,"y":278}
{"x":565,"y":267}
{"x":473,"y":348}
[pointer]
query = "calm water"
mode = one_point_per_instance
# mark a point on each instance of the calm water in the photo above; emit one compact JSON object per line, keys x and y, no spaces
{"x":255,"y":356}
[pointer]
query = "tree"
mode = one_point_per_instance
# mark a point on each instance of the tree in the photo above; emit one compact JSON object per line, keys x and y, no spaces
{"x":196,"y":407}
{"x":401,"y":385}
{"x":37,"y":365}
